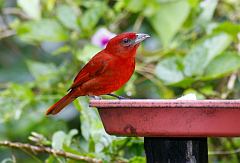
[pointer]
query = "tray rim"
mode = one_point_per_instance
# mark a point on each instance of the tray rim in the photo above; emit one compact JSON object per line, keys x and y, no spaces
{"x":162,"y":103}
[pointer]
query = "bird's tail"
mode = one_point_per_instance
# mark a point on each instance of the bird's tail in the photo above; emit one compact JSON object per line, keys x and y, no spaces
{"x":58,"y":106}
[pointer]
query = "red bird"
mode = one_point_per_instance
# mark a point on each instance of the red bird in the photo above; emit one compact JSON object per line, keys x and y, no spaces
{"x":106,"y":72}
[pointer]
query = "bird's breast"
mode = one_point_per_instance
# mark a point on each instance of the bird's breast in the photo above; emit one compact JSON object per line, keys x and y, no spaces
{"x":117,"y":73}
{"x":122,"y":70}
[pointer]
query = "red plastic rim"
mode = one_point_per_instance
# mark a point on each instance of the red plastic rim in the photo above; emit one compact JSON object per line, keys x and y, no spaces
{"x":166,"y":103}
{"x":170,"y":118}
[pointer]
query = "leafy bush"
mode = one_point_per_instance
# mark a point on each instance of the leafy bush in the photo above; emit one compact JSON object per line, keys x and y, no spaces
{"x":194,"y":47}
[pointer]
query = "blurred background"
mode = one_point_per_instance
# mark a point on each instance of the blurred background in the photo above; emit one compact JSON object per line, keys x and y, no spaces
{"x":194,"y":48}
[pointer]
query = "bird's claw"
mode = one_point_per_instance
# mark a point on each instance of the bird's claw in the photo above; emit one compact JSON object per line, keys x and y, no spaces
{"x":95,"y":97}
{"x":122,"y":98}
{"x":118,"y":97}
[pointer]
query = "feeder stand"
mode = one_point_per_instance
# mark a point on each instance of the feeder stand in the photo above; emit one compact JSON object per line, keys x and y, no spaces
{"x":174,"y":131}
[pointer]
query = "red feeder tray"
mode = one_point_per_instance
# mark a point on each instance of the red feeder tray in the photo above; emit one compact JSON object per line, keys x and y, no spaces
{"x":170,"y":118}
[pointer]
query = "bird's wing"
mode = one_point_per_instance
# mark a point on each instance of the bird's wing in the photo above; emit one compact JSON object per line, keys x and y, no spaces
{"x":95,"y":67}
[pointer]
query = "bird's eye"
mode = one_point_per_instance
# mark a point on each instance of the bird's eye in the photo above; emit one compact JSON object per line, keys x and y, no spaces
{"x":126,"y":41}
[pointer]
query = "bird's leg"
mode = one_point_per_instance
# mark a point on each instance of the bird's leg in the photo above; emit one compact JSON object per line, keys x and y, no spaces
{"x":95,"y":97}
{"x":119,"y":97}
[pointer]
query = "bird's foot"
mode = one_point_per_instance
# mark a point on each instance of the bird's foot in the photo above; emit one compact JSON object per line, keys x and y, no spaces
{"x":116,"y":96}
{"x":95,"y":97}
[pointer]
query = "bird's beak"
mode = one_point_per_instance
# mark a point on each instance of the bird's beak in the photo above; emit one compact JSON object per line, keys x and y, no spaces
{"x":140,"y":38}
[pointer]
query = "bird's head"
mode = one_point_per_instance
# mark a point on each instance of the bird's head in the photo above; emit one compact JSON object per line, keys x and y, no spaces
{"x":125,"y":44}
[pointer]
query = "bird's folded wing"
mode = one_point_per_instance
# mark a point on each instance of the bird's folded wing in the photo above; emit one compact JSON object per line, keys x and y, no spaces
{"x":95,"y":67}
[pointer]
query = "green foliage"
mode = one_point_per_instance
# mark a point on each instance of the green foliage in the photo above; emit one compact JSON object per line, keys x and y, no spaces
{"x":170,"y":70}
{"x":42,"y":30}
{"x":59,"y":139}
{"x":87,"y":52}
{"x":200,"y":56}
{"x":67,"y":16}
{"x":31,"y":8}
{"x":231,"y":62}
{"x":164,"y":20}
{"x":194,"y":48}
{"x":91,"y":17}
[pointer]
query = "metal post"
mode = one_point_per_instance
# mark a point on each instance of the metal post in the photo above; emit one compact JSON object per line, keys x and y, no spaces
{"x":176,"y":150}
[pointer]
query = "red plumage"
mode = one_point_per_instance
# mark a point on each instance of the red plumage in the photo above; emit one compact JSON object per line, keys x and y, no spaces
{"x":106,"y":72}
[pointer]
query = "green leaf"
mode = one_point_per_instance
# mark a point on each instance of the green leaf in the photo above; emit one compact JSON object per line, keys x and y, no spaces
{"x":199,"y":56}
{"x":92,"y":128}
{"x":14,"y":100}
{"x":169,"y":18}
{"x":49,"y":4}
{"x":45,"y":74}
{"x":42,"y":30}
{"x":71,"y":150}
{"x":50,"y":159}
{"x":69,"y":136}
{"x":209,"y":90}
{"x":137,"y":159}
{"x":62,"y":49}
{"x":87,"y":52}
{"x":7,"y":160}
{"x":41,"y":70}
{"x":21,"y":91}
{"x":193,"y":3}
{"x":31,"y":7}
{"x":58,"y":140}
{"x":208,"y":9}
{"x":150,"y":8}
{"x":67,"y":16}
{"x":91,"y":17}
{"x":134,"y":5}
{"x":186,"y":82}
{"x":222,"y":65}
{"x":169,"y":70}
{"x":228,"y":27}
{"x":147,"y":89}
